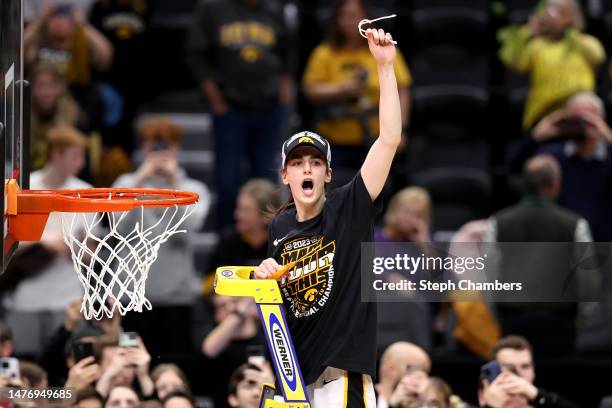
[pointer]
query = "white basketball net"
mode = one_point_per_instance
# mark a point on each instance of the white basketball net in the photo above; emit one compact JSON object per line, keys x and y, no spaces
{"x":113,"y":266}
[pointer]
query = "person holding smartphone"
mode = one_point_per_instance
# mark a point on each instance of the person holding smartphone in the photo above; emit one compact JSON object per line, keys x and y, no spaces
{"x":580,"y":138}
{"x":333,"y":331}
{"x":508,"y":381}
{"x":123,"y":363}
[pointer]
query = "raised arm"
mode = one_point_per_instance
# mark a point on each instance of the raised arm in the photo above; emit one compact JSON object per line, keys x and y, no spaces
{"x":377,"y":164}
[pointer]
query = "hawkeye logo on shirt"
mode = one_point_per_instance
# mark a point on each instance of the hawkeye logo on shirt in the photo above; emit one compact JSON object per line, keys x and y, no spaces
{"x":309,"y":284}
{"x":250,"y":37}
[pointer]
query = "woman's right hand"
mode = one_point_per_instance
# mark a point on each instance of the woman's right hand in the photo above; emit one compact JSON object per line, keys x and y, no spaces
{"x":266,"y":268}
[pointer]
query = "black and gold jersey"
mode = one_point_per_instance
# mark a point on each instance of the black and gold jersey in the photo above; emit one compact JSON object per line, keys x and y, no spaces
{"x":329,"y":323}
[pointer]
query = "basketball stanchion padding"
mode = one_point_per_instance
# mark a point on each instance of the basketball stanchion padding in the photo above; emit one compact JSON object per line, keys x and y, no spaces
{"x":112,"y":263}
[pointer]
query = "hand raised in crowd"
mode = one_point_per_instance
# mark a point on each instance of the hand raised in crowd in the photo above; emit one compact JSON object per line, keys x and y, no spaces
{"x":409,"y":390}
{"x":516,"y":385}
{"x":419,"y":231}
{"x":168,"y":168}
{"x":157,"y":164}
{"x":497,"y":393}
{"x":111,"y":325}
{"x":245,"y":306}
{"x":598,"y":127}
{"x":78,"y":16}
{"x":381,"y":46}
{"x":73,"y":315}
{"x":139,"y":357}
{"x":8,"y":381}
{"x":83,"y":373}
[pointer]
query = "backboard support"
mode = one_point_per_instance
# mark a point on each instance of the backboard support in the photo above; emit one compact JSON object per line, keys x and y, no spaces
{"x":13,"y":98}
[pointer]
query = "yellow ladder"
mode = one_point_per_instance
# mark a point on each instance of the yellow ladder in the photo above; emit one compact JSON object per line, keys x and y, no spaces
{"x":236,"y":281}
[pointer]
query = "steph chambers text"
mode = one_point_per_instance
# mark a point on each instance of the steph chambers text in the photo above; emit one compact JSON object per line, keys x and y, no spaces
{"x":449,"y":285}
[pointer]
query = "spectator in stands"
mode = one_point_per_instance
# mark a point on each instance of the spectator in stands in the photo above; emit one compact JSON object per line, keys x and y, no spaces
{"x":246,"y":243}
{"x":438,"y":394}
{"x":225,"y":336}
{"x":172,"y":283}
{"x":580,"y":139}
{"x":6,"y":340}
{"x":122,"y":396}
{"x":408,"y":217}
{"x":237,"y":325}
{"x":551,"y":326}
{"x":169,"y":378}
{"x":126,"y":25}
{"x":83,"y":374}
{"x":403,"y":373}
{"x":240,"y":55}
{"x":33,"y":375}
{"x":178,"y":399}
{"x":52,"y":105}
{"x":341,"y":80}
{"x":88,"y":398}
{"x":120,"y":366}
{"x":561,"y":59}
{"x":58,"y":357}
{"x":515,"y":385}
{"x":61,"y":36}
{"x":41,"y":275}
{"x":245,"y":385}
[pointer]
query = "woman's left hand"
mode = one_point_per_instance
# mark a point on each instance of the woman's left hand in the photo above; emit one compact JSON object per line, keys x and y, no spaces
{"x":381,"y":46}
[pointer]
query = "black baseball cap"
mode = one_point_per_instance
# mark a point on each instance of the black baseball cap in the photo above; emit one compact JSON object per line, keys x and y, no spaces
{"x":306,"y":138}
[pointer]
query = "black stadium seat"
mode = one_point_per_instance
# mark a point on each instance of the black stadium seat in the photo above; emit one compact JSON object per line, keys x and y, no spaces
{"x":459,"y":194}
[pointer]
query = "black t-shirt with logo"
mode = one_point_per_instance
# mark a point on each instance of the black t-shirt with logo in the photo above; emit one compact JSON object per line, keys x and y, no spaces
{"x":329,"y":324}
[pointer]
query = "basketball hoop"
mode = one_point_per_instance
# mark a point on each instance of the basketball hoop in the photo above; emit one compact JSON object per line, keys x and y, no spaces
{"x":112,"y":266}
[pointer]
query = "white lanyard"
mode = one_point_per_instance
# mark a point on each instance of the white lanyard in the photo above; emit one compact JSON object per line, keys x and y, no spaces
{"x":366,"y":21}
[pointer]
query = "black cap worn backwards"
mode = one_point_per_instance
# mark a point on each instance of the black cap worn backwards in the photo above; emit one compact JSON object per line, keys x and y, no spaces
{"x":306,"y":138}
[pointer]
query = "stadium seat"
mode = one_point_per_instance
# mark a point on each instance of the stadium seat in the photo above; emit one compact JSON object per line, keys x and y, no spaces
{"x":518,"y":11}
{"x":404,"y":321}
{"x":459,"y":194}
{"x":428,"y":153}
{"x":460,"y":21}
{"x":172,"y":14}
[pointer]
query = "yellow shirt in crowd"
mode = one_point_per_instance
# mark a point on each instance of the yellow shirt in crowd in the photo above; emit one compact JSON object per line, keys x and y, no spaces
{"x":559,"y":69}
{"x":330,"y":65}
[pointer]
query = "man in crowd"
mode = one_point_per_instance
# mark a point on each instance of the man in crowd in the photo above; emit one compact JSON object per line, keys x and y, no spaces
{"x":543,"y":270}
{"x":246,"y":383}
{"x":403,"y":374}
{"x":514,"y":387}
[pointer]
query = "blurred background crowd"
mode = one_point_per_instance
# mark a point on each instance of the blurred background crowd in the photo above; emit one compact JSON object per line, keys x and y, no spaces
{"x":504,"y":109}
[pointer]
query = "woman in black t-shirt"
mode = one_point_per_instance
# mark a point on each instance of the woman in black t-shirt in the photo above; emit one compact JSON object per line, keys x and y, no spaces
{"x":333,"y":331}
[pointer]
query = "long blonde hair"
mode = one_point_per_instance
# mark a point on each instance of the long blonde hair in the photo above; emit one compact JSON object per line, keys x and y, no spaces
{"x":407,"y":194}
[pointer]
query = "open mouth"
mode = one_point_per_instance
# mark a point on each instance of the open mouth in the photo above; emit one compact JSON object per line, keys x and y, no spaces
{"x":307,"y":185}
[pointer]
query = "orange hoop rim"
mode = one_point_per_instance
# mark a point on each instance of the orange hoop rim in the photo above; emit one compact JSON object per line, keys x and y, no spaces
{"x":98,"y":200}
{"x":27,"y":211}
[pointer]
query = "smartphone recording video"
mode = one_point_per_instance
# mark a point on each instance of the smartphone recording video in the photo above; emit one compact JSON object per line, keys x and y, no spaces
{"x":256,"y":354}
{"x":128,"y":339}
{"x":82,"y":350}
{"x":9,"y":366}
